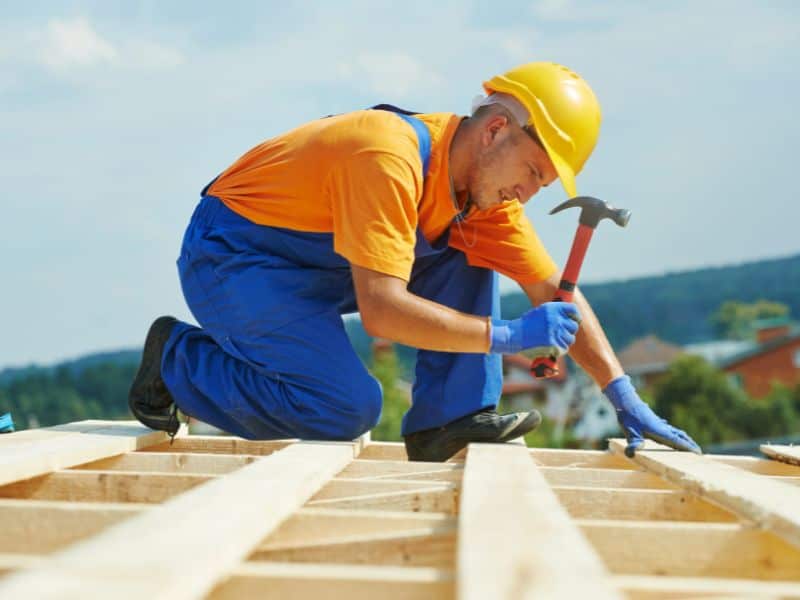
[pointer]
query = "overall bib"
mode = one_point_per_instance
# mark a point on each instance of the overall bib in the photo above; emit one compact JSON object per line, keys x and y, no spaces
{"x":272,"y":359}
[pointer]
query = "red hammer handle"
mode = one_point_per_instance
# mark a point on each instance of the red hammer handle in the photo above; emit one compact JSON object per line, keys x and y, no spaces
{"x":545,"y":366}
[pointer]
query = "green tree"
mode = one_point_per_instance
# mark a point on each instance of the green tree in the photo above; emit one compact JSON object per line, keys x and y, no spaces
{"x":734,"y":320}
{"x":698,"y":398}
{"x":386,"y":369}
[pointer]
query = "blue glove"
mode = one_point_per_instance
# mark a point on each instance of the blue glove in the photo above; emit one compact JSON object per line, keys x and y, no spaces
{"x":639,"y":421}
{"x":548,"y":329}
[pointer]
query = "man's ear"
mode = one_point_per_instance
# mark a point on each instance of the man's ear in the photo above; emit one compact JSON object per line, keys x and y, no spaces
{"x":492,"y":127}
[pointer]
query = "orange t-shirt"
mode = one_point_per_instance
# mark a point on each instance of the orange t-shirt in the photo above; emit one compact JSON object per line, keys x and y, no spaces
{"x":359,"y":176}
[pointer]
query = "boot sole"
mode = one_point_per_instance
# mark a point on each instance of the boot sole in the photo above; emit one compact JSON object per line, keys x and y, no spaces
{"x":149,"y":369}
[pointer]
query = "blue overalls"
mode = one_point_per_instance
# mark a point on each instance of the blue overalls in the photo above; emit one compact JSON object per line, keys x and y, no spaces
{"x":272,"y":359}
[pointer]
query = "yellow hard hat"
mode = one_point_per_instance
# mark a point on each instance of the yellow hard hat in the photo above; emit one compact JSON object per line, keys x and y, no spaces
{"x":563,"y":110}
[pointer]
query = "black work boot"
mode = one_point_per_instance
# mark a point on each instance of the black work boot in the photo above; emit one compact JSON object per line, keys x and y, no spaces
{"x":485,"y":426}
{"x":149,"y":399}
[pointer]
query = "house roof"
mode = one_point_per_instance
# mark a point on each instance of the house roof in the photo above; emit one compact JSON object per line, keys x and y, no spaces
{"x":759,"y":349}
{"x":648,"y":354}
{"x":102,"y":509}
{"x":718,"y":351}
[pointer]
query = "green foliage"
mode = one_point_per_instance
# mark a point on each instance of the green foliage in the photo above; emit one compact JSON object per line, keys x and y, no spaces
{"x":547,"y":435}
{"x":386,"y":369}
{"x":734,"y":320}
{"x":51,"y":397}
{"x":698,"y":398}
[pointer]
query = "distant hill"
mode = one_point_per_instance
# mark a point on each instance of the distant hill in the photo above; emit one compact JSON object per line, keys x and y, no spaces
{"x":74,"y":366}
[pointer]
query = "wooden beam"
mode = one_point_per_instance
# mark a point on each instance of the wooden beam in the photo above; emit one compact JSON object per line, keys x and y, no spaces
{"x":32,"y":526}
{"x":604,"y":478}
{"x":30,"y":454}
{"x":515,"y":538}
{"x":547,"y":457}
{"x":770,"y":504}
{"x":340,"y":487}
{"x":786,"y":454}
{"x":279,"y":581}
{"x":395,"y":469}
{"x":221,"y":522}
{"x":384,"y":451}
{"x":641,"y":587}
{"x":316,"y":526}
{"x":692,"y":549}
{"x":424,"y":547}
{"x":171,"y":462}
{"x":218,"y":444}
{"x":442,"y":498}
{"x":617,"y":503}
{"x":103,"y":486}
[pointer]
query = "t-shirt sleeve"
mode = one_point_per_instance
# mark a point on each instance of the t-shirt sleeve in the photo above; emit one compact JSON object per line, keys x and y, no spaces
{"x":373,"y":198}
{"x":503,"y":239}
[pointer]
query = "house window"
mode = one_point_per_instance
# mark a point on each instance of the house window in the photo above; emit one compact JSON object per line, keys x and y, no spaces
{"x":796,"y":359}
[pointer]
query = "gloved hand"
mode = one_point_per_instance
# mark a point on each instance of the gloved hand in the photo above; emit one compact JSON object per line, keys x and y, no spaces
{"x":548,"y":329}
{"x":638,"y":421}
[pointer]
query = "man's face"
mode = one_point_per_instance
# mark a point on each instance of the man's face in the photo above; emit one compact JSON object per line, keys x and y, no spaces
{"x":511,"y":163}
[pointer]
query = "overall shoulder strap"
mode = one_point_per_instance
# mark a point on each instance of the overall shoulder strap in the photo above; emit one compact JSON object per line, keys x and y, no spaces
{"x":423,"y":135}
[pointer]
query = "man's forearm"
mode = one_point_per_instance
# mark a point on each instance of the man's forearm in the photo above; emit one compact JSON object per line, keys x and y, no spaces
{"x":592,"y":350}
{"x":390,"y":311}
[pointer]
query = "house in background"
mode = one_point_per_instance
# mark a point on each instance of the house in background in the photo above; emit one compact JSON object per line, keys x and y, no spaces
{"x":772,"y":356}
{"x":647,"y":359}
{"x":775,"y":358}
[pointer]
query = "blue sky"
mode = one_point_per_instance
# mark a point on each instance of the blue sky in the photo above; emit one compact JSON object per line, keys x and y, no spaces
{"x":115,"y":114}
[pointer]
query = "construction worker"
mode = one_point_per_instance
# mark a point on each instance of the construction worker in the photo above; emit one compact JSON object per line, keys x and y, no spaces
{"x":408,"y":219}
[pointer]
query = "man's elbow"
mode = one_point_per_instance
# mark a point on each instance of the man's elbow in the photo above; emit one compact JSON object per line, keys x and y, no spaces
{"x":373,"y":320}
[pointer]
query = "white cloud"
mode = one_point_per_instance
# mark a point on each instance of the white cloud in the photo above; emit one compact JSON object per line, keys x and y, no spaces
{"x":74,"y":43}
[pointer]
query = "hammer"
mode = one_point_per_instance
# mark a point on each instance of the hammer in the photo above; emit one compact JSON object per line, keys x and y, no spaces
{"x":593,"y":211}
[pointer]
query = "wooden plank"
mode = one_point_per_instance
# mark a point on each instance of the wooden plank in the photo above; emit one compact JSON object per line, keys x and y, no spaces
{"x":171,"y":462}
{"x":692,"y":549}
{"x":221,"y":522}
{"x":760,"y":466}
{"x":316,"y":526}
{"x":219,"y":444}
{"x":547,"y":457}
{"x":31,"y":526}
{"x":27,"y":455}
{"x":424,"y":547}
{"x":604,"y":478}
{"x":10,"y":562}
{"x":770,"y":504}
{"x":443,"y":498}
{"x":395,"y":469}
{"x":279,"y":581}
{"x":515,"y":538}
{"x":104,"y":486}
{"x":340,"y":487}
{"x":642,"y":587}
{"x":786,"y":454}
{"x":643,"y":505}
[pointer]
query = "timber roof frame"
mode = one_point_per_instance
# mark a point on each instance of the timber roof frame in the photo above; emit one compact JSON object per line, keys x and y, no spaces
{"x":111,"y":509}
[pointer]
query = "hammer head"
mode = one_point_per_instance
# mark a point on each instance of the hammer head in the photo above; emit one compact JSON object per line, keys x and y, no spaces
{"x":593,"y":210}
